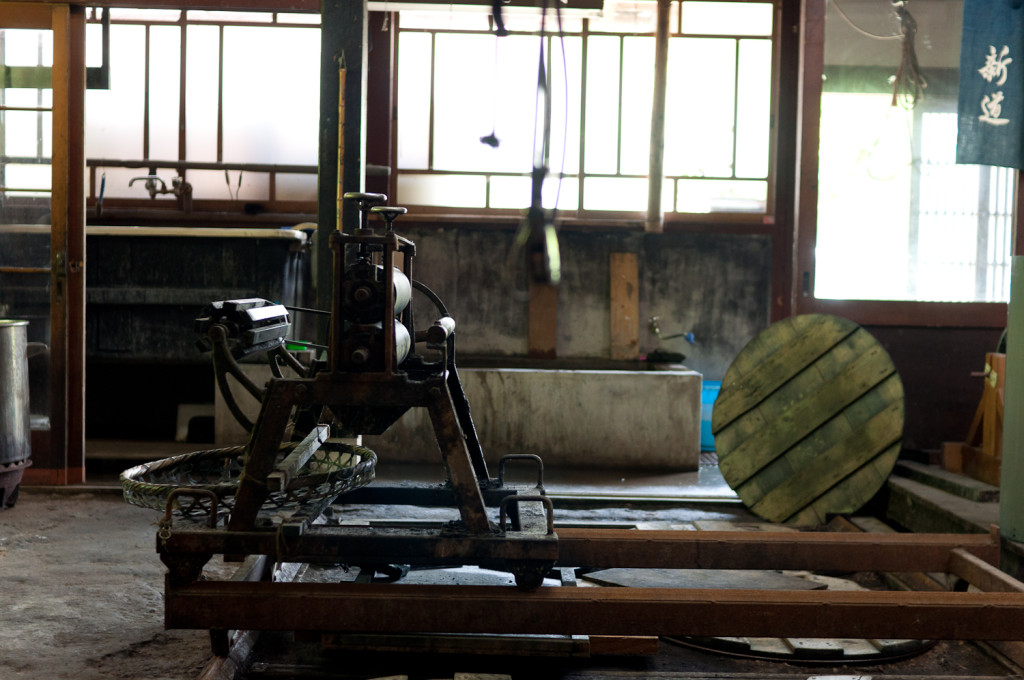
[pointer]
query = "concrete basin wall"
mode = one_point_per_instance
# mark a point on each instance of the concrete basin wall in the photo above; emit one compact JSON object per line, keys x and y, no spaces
{"x":631,"y":419}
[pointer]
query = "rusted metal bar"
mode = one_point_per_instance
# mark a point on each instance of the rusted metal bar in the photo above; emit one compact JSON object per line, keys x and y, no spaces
{"x":604,"y":548}
{"x":456,"y":457}
{"x":981,"y":574}
{"x":594,"y":611}
{"x":767,"y":550}
{"x":281,"y":396}
{"x":24,"y":270}
{"x":285,"y":471}
{"x":201,"y":165}
{"x":356,"y":545}
{"x":418,"y":493}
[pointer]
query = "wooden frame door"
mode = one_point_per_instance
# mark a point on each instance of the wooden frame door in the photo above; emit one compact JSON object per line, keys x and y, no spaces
{"x":58,"y":453}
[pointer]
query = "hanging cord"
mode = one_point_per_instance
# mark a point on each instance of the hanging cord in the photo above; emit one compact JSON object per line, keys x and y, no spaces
{"x":908,"y":84}
{"x":492,"y":140}
{"x":542,"y":123}
{"x":537,"y":234}
{"x":565,"y":108}
{"x":866,"y":34}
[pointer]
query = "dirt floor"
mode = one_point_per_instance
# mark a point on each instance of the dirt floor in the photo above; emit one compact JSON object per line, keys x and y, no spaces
{"x":81,"y":593}
{"x":81,"y":597}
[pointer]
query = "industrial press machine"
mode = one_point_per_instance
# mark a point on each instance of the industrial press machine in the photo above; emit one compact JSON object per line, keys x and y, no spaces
{"x":263,"y":505}
{"x":266,"y":503}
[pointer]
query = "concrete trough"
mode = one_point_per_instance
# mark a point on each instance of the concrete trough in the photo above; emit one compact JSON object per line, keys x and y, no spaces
{"x":571,"y":418}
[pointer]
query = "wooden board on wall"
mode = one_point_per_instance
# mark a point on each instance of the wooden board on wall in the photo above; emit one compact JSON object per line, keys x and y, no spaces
{"x":543,"y":331}
{"x":809,"y":421}
{"x":624,"y":301}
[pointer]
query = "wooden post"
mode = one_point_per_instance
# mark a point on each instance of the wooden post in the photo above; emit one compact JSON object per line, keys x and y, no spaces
{"x":75,"y":439}
{"x":542,"y":335}
{"x":655,"y":178}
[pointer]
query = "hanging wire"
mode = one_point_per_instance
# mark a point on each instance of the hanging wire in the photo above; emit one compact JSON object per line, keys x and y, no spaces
{"x":565,"y":108}
{"x":492,"y":140}
{"x":537,"y":237}
{"x":860,"y":30}
{"x":907,"y":84}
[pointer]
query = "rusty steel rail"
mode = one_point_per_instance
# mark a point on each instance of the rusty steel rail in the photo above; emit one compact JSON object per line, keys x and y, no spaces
{"x":218,"y":605}
{"x":602,"y":548}
{"x":597,"y":611}
{"x":827,"y":551}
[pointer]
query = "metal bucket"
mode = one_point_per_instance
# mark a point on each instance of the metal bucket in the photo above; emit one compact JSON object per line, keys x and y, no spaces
{"x":15,"y":433}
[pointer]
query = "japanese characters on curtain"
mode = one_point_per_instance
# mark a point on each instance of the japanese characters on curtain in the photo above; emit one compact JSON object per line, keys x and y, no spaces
{"x":991,"y":99}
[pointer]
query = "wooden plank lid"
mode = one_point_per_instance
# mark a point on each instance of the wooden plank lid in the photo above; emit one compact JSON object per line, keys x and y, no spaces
{"x":809,"y":419}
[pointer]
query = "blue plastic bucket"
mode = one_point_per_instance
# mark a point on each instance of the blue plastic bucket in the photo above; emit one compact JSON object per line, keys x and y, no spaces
{"x":708,"y":394}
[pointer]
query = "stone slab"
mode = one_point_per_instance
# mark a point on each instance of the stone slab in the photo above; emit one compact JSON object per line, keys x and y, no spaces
{"x":924,"y":509}
{"x":951,"y":482}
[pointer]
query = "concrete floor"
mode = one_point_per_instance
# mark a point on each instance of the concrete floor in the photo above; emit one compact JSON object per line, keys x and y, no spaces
{"x":82,"y":595}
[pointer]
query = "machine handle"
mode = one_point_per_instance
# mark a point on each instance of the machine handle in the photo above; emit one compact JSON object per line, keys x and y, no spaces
{"x":549,"y":509}
{"x":437,"y":334}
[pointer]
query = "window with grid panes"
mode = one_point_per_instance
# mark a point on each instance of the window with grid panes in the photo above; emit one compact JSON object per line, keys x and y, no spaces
{"x":458,"y":83}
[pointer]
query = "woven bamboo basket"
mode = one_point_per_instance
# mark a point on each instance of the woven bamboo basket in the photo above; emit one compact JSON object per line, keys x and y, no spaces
{"x":332,"y":470}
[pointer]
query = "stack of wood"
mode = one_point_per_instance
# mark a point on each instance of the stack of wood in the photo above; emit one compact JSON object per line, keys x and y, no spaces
{"x":982,"y":461}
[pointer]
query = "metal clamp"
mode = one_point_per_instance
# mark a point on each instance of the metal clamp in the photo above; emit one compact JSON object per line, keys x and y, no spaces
{"x":165,"y":524}
{"x":549,"y":509}
{"x":522,"y":456}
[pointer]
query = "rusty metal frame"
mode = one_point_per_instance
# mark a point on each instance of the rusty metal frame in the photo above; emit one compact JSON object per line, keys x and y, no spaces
{"x":994,"y":615}
{"x":593,"y":611}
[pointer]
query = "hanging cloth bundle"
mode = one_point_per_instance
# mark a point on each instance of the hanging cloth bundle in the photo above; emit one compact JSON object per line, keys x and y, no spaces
{"x":991,"y":101}
{"x":908,"y":79}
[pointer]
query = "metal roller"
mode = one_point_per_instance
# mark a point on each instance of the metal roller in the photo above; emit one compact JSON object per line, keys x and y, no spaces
{"x":363,"y":291}
{"x":363,"y":346}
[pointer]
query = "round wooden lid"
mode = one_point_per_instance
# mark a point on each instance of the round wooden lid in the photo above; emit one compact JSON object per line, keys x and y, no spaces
{"x":809,"y":420}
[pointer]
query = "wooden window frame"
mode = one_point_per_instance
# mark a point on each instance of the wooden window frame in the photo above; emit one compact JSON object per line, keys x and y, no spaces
{"x":59,"y":455}
{"x":274,"y":209}
{"x":598,"y":220}
{"x":865,"y":312}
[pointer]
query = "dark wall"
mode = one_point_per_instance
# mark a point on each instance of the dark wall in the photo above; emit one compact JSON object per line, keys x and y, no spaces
{"x":935,"y":365}
{"x":716,"y":286}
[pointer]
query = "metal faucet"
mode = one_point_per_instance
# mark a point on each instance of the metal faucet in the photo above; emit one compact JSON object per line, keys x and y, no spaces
{"x":179,"y":188}
{"x":151,"y":181}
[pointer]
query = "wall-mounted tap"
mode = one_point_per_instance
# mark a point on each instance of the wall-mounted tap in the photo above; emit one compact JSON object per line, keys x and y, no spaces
{"x":183,"y":190}
{"x":179,"y":188}
{"x":151,"y":181}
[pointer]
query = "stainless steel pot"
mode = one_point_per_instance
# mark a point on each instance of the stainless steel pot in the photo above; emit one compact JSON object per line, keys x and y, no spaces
{"x":14,"y":416}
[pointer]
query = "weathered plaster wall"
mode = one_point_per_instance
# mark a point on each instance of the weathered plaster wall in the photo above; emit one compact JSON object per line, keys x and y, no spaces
{"x":715,"y":285}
